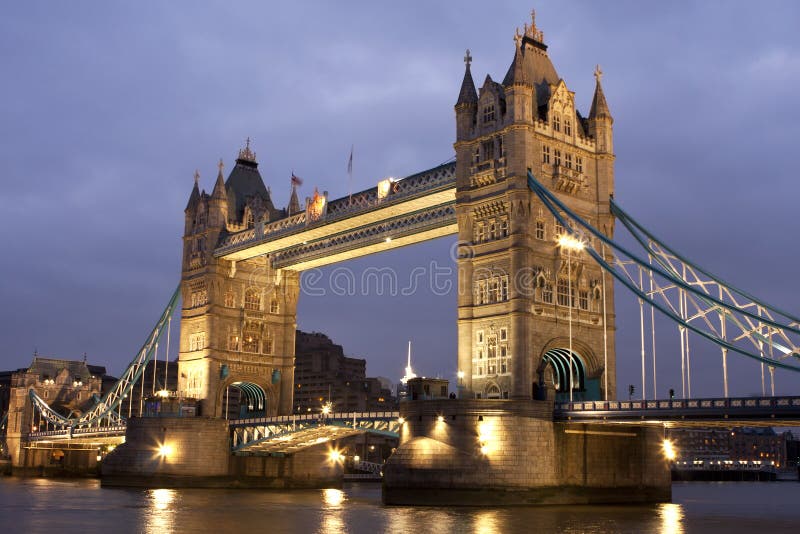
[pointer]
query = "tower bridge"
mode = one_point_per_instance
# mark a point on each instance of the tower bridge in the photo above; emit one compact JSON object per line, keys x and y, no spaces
{"x":530,"y":197}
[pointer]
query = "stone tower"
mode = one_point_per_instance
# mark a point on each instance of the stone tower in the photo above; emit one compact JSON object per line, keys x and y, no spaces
{"x":238,"y":318}
{"x":520,"y":289}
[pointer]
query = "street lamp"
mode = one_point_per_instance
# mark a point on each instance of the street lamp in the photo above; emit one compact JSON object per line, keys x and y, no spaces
{"x":570,"y":243}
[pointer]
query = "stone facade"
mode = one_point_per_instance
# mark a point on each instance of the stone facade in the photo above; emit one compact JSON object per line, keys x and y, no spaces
{"x":238,"y":318}
{"x":516,"y":284}
{"x":511,"y":452}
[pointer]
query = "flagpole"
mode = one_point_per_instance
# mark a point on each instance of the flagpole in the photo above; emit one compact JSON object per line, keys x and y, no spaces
{"x":350,"y":176}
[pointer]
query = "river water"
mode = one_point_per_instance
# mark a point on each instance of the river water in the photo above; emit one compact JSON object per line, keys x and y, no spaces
{"x":64,"y":506}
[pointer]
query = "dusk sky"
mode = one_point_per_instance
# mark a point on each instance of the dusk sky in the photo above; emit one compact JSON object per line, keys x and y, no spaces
{"x":107,"y":109}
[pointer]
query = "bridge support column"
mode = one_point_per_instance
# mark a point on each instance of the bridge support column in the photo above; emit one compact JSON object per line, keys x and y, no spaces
{"x":510,"y":452}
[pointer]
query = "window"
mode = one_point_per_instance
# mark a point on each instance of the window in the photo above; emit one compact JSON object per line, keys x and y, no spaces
{"x":476,"y":158}
{"x":558,"y":228}
{"x":504,"y":288}
{"x":556,"y":122}
{"x":503,"y":351}
{"x":197,"y":341}
{"x":493,"y":290}
{"x":480,"y":336}
{"x":233,"y":342}
{"x":252,"y":299}
{"x":479,"y":231}
{"x":504,"y":226}
{"x":563,"y":292}
{"x":567,"y":126}
{"x":583,"y":299}
{"x":488,"y":113}
{"x":568,"y":160}
{"x":230,"y":299}
{"x":488,"y":150}
{"x":273,"y":306}
{"x":199,"y":297}
{"x":251,"y":339}
{"x":492,"y":233}
{"x":545,"y":154}
{"x":268,"y":345}
{"x":557,"y":155}
{"x":540,"y":230}
{"x":578,"y":163}
{"x":500,"y":148}
{"x":503,"y":334}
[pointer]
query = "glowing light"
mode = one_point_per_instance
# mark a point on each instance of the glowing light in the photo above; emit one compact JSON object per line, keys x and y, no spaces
{"x":401,"y":420}
{"x":356,"y":458}
{"x":332,"y":497}
{"x":440,"y":419}
{"x":669,"y":450}
{"x":460,"y":375}
{"x":388,"y":239}
{"x":486,"y":436}
{"x":568,"y":242}
{"x":165,"y":450}
{"x":384,"y":188}
{"x":334,"y":456}
{"x":326,"y":409}
{"x":163,"y":393}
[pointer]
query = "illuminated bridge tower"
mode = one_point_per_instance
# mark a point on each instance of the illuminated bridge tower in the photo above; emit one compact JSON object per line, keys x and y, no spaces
{"x":517,"y":283}
{"x":238,"y":318}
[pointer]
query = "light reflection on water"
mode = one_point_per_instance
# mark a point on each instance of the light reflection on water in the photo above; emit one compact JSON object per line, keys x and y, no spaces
{"x":64,"y":506}
{"x":160,"y":514}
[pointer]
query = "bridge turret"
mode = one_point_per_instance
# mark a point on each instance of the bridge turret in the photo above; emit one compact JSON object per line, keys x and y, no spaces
{"x":600,"y":120}
{"x":218,"y":205}
{"x":467,"y":104}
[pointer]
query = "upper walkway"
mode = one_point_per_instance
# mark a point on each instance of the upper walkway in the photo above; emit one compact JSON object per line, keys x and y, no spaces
{"x":390,"y":215}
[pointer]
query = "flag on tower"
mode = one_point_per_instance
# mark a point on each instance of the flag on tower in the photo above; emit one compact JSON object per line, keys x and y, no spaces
{"x":296,"y":180}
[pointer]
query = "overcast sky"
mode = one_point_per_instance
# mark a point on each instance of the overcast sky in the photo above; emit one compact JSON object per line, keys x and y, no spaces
{"x":107,"y":108}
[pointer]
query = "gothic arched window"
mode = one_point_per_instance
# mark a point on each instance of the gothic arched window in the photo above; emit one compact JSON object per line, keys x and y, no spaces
{"x":252,"y":299}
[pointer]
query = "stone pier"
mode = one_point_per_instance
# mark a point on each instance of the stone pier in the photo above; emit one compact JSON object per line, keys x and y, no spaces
{"x":196,"y":452}
{"x":508,"y":452}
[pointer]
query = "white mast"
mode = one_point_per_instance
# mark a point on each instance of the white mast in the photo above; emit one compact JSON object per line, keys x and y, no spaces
{"x":409,"y":372}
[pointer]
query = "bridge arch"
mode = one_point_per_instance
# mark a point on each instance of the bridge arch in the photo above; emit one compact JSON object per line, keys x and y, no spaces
{"x":553,"y":370}
{"x":241,"y":397}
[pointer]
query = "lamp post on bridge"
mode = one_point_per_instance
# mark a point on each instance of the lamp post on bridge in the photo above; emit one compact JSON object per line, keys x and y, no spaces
{"x":570,"y":243}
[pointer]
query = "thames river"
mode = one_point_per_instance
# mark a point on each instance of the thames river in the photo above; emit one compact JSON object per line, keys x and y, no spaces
{"x":63,"y":506}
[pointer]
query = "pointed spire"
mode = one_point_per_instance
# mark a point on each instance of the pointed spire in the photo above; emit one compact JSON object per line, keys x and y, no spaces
{"x":468,"y":94}
{"x":599,"y":104}
{"x":409,"y":371}
{"x":294,"y":203}
{"x":518,"y":72}
{"x":219,"y":187}
{"x":194,"y":196}
{"x":246,"y":155}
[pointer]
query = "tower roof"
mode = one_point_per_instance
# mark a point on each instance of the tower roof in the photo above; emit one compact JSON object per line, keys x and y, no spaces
{"x":219,"y":187}
{"x":294,"y":203}
{"x":468,"y":94}
{"x":531,"y":62}
{"x":599,"y":104}
{"x":194,"y":196}
{"x":245,"y":182}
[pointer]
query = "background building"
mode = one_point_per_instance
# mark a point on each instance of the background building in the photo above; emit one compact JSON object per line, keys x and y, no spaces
{"x":324,"y":374}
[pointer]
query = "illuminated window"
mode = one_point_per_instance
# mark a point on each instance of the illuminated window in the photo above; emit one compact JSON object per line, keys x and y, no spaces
{"x":558,"y":229}
{"x":540,"y":230}
{"x":268,"y":344}
{"x":494,"y":288}
{"x":251,"y":339}
{"x":545,"y":154}
{"x":273,"y":306}
{"x":233,"y":342}
{"x":252,"y":299}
